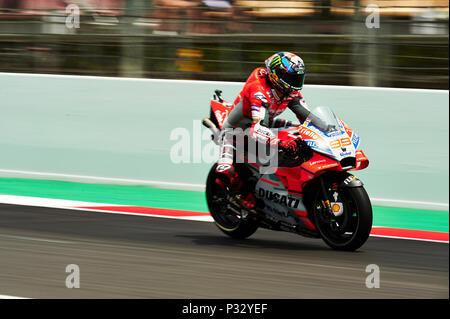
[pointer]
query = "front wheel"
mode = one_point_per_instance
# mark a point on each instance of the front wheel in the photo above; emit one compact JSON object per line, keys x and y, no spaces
{"x":227,"y":219}
{"x":350,"y":230}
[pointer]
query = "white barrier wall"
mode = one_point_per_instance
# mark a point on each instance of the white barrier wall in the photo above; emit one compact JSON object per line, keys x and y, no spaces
{"x":118,"y":131}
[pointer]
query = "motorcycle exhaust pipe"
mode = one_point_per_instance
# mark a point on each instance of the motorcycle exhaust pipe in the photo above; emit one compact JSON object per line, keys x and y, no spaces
{"x":209,"y":124}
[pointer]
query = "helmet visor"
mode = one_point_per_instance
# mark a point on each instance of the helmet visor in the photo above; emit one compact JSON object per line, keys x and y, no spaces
{"x":294,"y":80}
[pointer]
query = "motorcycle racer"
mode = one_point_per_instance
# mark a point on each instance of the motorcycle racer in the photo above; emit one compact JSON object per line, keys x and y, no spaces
{"x":266,"y":94}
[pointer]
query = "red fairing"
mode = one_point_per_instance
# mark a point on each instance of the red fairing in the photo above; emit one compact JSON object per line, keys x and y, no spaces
{"x":294,"y":177}
{"x":221,"y":111}
{"x":361,"y":161}
{"x":320,"y":163}
{"x":288,"y":134}
{"x":290,"y":177}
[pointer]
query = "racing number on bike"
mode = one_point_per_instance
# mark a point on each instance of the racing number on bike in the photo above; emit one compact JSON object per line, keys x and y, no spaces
{"x":341,"y":143}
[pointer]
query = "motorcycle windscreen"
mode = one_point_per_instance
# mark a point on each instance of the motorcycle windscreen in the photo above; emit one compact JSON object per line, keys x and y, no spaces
{"x":325,"y":120}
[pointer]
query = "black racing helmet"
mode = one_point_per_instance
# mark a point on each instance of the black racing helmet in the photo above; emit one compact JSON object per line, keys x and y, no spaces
{"x":286,"y":71}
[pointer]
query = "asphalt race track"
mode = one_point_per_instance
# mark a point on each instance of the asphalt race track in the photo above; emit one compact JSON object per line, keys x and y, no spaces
{"x":122,"y":256}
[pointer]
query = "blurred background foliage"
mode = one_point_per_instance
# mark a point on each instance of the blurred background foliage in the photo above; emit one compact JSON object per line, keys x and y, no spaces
{"x":224,"y":40}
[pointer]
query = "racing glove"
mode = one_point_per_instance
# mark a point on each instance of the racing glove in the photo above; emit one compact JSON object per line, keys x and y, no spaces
{"x":288,"y":146}
{"x":295,"y":151}
{"x":305,"y":152}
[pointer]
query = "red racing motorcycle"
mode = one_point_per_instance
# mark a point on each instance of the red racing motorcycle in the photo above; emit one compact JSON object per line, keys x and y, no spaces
{"x":315,"y":197}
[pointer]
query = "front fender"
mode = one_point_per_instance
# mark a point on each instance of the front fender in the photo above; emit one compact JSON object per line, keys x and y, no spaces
{"x":341,"y":178}
{"x":350,"y":181}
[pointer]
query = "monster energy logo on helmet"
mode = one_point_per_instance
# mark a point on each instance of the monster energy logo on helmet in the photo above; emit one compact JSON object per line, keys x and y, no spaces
{"x":286,"y":71}
{"x":276,"y":61}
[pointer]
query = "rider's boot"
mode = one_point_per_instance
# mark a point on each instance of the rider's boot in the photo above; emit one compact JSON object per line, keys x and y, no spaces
{"x":227,"y":177}
{"x":249,"y":201}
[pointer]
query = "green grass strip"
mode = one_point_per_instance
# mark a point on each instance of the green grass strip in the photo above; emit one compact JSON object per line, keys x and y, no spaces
{"x":193,"y":201}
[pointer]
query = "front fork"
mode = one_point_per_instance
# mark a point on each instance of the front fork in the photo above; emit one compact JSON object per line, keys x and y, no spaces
{"x":325,"y":210}
{"x":326,"y":214}
{"x":325,"y":203}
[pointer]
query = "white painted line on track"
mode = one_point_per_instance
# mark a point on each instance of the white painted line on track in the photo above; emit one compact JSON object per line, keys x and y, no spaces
{"x":120,"y":181}
{"x":66,"y":204}
{"x":12,"y":297}
{"x":401,"y":203}
{"x":409,"y":204}
{"x":193,"y":218}
{"x":46,"y":202}
{"x":76,"y":205}
{"x":128,"y":79}
{"x":410,"y":238}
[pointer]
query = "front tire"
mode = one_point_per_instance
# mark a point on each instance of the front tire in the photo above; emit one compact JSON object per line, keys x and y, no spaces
{"x":226,"y":220}
{"x":352,"y":229}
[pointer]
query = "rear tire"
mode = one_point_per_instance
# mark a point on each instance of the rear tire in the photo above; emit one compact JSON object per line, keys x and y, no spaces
{"x":226,"y":220}
{"x":357,"y":216}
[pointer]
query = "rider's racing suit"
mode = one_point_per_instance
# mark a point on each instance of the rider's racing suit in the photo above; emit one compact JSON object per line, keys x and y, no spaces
{"x":256,"y":107}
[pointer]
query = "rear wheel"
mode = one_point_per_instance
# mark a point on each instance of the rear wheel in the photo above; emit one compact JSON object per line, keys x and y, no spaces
{"x":351,"y":229}
{"x":227,"y":216}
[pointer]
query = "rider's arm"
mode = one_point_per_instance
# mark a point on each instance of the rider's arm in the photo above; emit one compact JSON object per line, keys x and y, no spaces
{"x":301,"y":110}
{"x":281,"y":123}
{"x":262,"y":134}
{"x":259,"y":130}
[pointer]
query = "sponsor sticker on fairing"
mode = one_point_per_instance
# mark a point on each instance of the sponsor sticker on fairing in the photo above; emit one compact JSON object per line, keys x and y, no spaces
{"x":355,"y":140}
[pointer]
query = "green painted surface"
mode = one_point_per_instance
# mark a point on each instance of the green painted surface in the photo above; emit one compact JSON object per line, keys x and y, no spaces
{"x":410,"y":218}
{"x":194,"y":201}
{"x":108,"y":194}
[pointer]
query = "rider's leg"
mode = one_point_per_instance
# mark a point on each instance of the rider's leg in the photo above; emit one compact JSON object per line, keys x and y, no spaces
{"x":226,"y":173}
